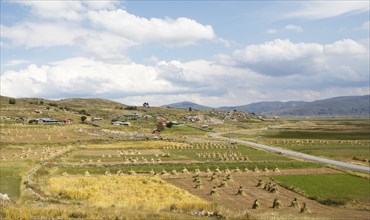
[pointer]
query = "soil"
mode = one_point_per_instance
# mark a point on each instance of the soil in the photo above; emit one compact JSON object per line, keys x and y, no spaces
{"x":227,"y":197}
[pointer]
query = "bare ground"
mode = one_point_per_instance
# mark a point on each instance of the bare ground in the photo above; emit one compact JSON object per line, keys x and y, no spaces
{"x":227,"y":198}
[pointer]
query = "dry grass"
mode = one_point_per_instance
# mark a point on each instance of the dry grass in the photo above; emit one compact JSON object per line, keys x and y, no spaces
{"x":139,"y":145}
{"x":128,"y":191}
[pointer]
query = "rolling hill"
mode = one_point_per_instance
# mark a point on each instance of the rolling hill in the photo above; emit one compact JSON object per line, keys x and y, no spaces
{"x":337,"y":106}
{"x":187,"y":105}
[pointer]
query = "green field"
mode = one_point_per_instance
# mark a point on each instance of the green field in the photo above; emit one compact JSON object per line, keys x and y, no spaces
{"x":333,"y":189}
{"x":73,"y":149}
{"x":340,"y":139}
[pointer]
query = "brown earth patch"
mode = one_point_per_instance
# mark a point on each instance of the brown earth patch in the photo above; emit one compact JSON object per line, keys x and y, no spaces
{"x":227,"y":196}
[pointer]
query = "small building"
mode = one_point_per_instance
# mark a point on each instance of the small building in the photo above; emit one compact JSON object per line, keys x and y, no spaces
{"x":124,"y":123}
{"x":94,"y":118}
{"x":147,"y":116}
{"x":177,"y":123}
{"x":132,"y":116}
{"x":67,"y":121}
{"x":43,"y":121}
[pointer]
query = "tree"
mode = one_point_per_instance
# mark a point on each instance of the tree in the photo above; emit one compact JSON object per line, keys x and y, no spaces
{"x":82,"y":112}
{"x":12,"y":101}
{"x":83,"y":118}
{"x":190,"y":109}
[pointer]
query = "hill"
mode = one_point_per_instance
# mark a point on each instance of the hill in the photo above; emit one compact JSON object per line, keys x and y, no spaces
{"x":187,"y":105}
{"x":339,"y":106}
{"x":263,"y":107}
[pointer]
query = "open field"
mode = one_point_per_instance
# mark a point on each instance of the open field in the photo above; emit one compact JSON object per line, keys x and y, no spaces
{"x":107,"y":171}
{"x":336,"y":189}
{"x":227,"y":196}
{"x":335,"y":139}
{"x":129,"y":191}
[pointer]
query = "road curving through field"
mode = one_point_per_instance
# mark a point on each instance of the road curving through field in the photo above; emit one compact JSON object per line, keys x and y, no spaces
{"x":294,"y":153}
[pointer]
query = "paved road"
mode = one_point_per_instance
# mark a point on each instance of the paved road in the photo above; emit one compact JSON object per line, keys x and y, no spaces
{"x":295,"y":154}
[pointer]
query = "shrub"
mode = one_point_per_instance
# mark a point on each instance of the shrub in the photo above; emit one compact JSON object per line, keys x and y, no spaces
{"x":83,"y":118}
{"x":12,"y":101}
{"x":131,"y":108}
{"x":83,"y":112}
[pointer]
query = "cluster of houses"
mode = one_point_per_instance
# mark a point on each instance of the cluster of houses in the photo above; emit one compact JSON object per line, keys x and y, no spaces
{"x":232,"y":115}
{"x":50,"y":121}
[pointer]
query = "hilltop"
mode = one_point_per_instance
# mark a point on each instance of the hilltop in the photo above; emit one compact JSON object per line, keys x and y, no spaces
{"x":187,"y":105}
{"x":337,"y":106}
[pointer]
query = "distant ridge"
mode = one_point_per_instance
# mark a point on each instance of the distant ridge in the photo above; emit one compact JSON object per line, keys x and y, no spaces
{"x":337,"y":106}
{"x":187,"y":105}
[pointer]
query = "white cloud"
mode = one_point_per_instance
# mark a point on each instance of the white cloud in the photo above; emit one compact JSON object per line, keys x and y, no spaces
{"x":276,"y":50}
{"x":104,"y":34}
{"x":99,"y":5}
{"x":82,"y":77}
{"x":30,"y":34}
{"x":366,"y":26}
{"x":276,"y":70}
{"x":283,"y":58}
{"x":326,"y":9}
{"x":271,"y":31}
{"x":346,"y":46}
{"x":295,"y":28}
{"x":171,"y":32}
{"x":68,"y":10}
{"x":16,"y":62}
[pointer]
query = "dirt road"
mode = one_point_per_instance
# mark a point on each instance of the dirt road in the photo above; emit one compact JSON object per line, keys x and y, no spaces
{"x":294,"y":154}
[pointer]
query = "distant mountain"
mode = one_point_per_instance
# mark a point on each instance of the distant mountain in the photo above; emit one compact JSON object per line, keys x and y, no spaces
{"x":186,"y":105}
{"x":340,"y":106}
{"x":262,"y":107}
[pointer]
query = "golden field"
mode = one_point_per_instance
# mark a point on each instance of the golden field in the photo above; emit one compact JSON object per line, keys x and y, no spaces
{"x":125,"y":191}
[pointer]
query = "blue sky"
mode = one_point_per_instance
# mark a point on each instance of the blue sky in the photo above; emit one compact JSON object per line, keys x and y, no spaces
{"x":211,"y":52}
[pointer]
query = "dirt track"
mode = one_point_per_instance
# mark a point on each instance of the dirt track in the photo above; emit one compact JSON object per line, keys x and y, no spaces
{"x":295,"y":154}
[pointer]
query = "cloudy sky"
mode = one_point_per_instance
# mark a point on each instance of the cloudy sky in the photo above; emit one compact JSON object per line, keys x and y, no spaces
{"x":213,"y":53}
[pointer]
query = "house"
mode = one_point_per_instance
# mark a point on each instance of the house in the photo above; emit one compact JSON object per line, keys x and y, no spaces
{"x":94,"y":118}
{"x":176,"y":123}
{"x":124,"y":123}
{"x":147,"y":116}
{"x":164,"y":122}
{"x":67,"y":121}
{"x":43,"y":121}
{"x":132,"y":116}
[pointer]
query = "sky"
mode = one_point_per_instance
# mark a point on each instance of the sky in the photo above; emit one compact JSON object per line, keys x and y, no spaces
{"x":214,"y":53}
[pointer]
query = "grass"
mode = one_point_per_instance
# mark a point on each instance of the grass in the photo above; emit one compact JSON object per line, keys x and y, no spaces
{"x":10,"y":185}
{"x":10,"y":176}
{"x":331,"y":189}
{"x":129,"y":191}
{"x":320,"y":134}
{"x":144,"y":196}
{"x":58,"y":211}
{"x":135,"y":145}
{"x":191,"y":167}
{"x":335,"y":139}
